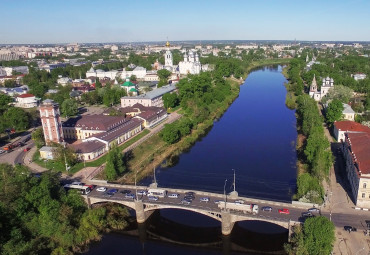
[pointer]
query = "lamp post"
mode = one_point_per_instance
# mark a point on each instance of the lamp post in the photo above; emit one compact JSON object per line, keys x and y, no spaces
{"x":225,"y":193}
{"x":154,"y":184}
{"x":234,"y":194}
{"x":136,"y":186}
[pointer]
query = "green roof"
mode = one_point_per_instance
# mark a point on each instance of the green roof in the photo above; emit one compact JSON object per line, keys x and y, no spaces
{"x":128,"y":84}
{"x":133,"y":90}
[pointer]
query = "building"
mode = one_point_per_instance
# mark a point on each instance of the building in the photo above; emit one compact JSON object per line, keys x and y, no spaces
{"x":359,"y":76}
{"x":64,"y":81}
{"x":356,"y":153}
{"x":191,"y":64}
{"x":346,"y":126}
{"x":51,"y":124}
{"x":26,"y":101}
{"x":168,"y":59}
{"x":348,"y":113}
{"x":47,"y":152}
{"x":129,"y":87}
{"x":138,"y":71}
{"x":101,"y":73}
{"x":151,"y":98}
{"x":327,"y":84}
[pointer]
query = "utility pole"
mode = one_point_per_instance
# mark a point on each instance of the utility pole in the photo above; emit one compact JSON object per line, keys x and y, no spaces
{"x":225,"y":193}
{"x":154,"y":184}
{"x":135,"y":185}
{"x":234,"y":194}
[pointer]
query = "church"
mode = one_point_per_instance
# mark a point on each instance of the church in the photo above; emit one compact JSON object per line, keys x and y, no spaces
{"x":327,"y":84}
{"x":191,"y":64}
{"x":168,"y":59}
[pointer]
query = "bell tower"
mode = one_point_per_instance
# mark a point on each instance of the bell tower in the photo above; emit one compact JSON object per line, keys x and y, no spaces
{"x":51,"y":124}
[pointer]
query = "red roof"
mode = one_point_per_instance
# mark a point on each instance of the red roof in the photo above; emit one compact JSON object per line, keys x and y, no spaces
{"x":351,"y":126}
{"x":26,"y":95}
{"x":360,"y":146}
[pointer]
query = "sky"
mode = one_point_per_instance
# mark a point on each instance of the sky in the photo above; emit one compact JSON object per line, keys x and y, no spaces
{"x":80,"y":21}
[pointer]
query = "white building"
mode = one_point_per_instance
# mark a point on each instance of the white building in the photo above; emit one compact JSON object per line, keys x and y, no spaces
{"x":138,"y":71}
{"x":151,"y":98}
{"x":64,"y":81}
{"x":348,"y":113}
{"x":101,"y":73}
{"x":26,"y":101}
{"x":168,"y":59}
{"x":359,"y":76}
{"x":191,"y":64}
{"x":327,"y":84}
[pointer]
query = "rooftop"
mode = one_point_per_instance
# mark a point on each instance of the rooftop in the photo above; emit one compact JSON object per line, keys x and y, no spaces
{"x":154,"y":93}
{"x":360,"y":146}
{"x":347,"y":125}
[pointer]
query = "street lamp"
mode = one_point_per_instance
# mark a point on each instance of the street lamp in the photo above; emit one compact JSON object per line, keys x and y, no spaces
{"x":135,"y":185}
{"x":225,"y":193}
{"x":234,"y":194}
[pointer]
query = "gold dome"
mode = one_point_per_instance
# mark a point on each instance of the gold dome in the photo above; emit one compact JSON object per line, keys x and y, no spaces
{"x":167,"y":44}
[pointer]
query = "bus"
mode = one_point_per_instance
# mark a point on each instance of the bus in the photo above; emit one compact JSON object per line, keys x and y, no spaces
{"x":83,"y":189}
{"x":157,"y":192}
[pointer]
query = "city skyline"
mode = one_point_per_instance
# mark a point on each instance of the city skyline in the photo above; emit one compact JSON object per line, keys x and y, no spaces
{"x":44,"y":22}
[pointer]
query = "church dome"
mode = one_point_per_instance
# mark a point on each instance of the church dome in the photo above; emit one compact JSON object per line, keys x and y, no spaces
{"x":167,"y":44}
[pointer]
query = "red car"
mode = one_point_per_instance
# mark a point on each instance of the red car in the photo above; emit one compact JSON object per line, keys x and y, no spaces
{"x":284,"y":211}
{"x":26,"y":149}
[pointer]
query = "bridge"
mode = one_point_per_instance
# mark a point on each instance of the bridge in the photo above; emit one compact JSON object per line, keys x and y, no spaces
{"x":228,"y":217}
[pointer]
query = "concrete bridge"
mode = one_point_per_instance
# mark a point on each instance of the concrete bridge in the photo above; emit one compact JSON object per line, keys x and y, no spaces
{"x":144,"y":207}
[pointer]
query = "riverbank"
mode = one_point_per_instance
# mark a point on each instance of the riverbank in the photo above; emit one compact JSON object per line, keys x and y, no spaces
{"x":154,"y":151}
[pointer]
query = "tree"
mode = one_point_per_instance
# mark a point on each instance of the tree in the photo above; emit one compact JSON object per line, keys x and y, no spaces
{"x":334,"y":111}
{"x":342,"y":93}
{"x":97,"y":83}
{"x":170,"y":100}
{"x":163,"y":77}
{"x":17,"y":118}
{"x":170,"y":134}
{"x":319,"y":235}
{"x":115,"y":165}
{"x":10,"y":83}
{"x":5,"y":100}
{"x":69,"y":107}
{"x":65,"y":155}
{"x":133,"y":78}
{"x":38,"y":137}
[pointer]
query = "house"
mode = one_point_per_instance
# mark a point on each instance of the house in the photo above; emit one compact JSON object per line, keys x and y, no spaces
{"x":130,"y":87}
{"x":47,"y":152}
{"x":356,"y":153}
{"x":26,"y":101}
{"x":342,"y":127}
{"x":359,"y":76}
{"x":348,"y":113}
{"x":64,"y":81}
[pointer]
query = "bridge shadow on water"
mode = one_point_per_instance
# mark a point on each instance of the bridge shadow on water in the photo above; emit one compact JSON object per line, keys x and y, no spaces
{"x":248,"y":237}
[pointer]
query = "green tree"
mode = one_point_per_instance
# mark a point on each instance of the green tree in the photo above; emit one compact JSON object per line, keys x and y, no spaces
{"x":38,"y":137}
{"x":163,"y":77}
{"x":133,"y":78}
{"x":114,"y":165}
{"x":170,"y":134}
{"x":10,"y":83}
{"x":339,"y":92}
{"x":5,"y":100}
{"x":319,"y":235}
{"x":97,"y":83}
{"x":334,"y":111}
{"x":17,"y":118}
{"x":170,"y":100}
{"x":69,"y":107}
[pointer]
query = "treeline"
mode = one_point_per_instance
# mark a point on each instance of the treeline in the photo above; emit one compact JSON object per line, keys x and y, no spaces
{"x":315,"y":151}
{"x":295,"y":86}
{"x":226,"y":66}
{"x":37,"y":216}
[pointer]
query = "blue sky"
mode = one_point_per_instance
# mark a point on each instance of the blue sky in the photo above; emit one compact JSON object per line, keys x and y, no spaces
{"x":56,"y":21}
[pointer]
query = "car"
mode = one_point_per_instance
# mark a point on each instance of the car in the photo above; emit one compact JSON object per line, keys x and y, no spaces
{"x":284,"y":211}
{"x":125,"y":191}
{"x":78,"y":183}
{"x":239,"y":201}
{"x":190,"y":193}
{"x":314,"y":209}
{"x":142,"y":192}
{"x":190,"y":198}
{"x":2,"y":151}
{"x":152,"y":198}
{"x":185,"y":202}
{"x":218,"y":201}
{"x":204,"y":199}
{"x":307,"y":214}
{"x":114,"y":191}
{"x":350,"y":229}
{"x":108,"y":194}
{"x":130,"y":196}
{"x":266,"y":208}
{"x":173,"y":195}
{"x":26,"y":149}
{"x":101,"y":189}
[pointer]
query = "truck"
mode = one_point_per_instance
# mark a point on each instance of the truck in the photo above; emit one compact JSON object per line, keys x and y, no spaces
{"x":245,"y":208}
{"x":9,"y":147}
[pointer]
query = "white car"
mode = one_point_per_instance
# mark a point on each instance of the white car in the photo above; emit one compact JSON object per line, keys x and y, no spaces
{"x":77,"y":183}
{"x":101,"y":189}
{"x":204,"y":199}
{"x":174,"y":195}
{"x":142,"y":192}
{"x":152,"y":198}
{"x":239,"y":201}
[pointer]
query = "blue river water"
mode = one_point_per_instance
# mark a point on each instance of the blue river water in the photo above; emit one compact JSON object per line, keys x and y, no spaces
{"x":255,"y":137}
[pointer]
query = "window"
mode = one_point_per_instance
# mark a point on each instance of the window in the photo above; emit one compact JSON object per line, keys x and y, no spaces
{"x":363,"y":195}
{"x":364,"y":185}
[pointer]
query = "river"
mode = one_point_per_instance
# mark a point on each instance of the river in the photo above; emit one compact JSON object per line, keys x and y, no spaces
{"x":255,"y":138}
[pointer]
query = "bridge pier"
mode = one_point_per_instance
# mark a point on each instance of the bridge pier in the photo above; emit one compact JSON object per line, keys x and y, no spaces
{"x":226,"y":223}
{"x":140,"y":214}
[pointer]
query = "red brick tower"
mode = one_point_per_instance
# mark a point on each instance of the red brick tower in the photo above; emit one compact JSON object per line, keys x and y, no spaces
{"x":50,"y":119}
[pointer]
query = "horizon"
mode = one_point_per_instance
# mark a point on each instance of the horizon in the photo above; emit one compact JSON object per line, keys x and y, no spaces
{"x":59,"y":22}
